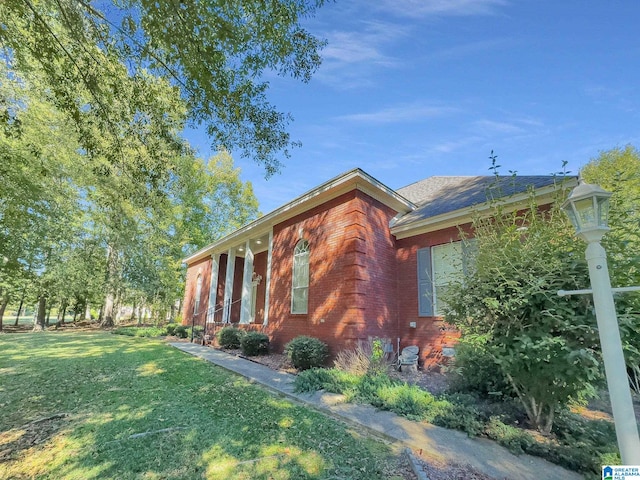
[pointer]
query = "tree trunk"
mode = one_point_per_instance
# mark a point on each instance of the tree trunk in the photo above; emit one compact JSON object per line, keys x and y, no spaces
{"x":3,"y":306}
{"x":48,"y":315}
{"x":19,"y":309}
{"x":107,"y":311}
{"x":133,"y":312}
{"x":87,"y":313}
{"x":62,"y":312}
{"x":38,"y":325}
{"x":112,"y":271}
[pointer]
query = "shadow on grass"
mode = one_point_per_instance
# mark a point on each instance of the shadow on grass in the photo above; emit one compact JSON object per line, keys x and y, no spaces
{"x":196,"y":420}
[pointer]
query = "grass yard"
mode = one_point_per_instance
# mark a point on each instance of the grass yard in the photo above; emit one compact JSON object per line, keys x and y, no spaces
{"x":95,"y":405}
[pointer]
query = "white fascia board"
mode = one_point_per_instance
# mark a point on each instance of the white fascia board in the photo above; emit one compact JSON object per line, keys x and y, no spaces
{"x":354,"y":179}
{"x":544,"y":196}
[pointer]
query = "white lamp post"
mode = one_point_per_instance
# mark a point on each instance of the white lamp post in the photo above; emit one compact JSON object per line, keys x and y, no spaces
{"x":588,"y":208}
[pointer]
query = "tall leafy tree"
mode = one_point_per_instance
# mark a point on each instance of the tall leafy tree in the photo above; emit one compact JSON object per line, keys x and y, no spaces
{"x":546,"y":347}
{"x":79,"y":222}
{"x":618,"y":171}
{"x":508,"y":310}
{"x":214,"y":52}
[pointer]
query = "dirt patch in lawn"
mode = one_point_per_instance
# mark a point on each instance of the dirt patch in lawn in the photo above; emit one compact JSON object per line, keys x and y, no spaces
{"x":13,"y":442}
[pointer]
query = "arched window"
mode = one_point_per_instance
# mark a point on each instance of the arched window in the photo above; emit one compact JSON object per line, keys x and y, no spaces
{"x":300,"y":281}
{"x":196,"y":305}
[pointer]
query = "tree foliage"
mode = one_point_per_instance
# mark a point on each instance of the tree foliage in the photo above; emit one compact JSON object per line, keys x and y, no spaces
{"x":618,"y":171}
{"x":546,"y":347}
{"x":80,"y":227}
{"x":508,"y":309}
{"x":214,"y":53}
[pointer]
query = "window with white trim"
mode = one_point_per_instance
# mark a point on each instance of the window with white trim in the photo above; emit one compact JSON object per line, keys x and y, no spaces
{"x":300,"y":278}
{"x":438,"y":267}
{"x":448,"y":267}
{"x":196,"y":305}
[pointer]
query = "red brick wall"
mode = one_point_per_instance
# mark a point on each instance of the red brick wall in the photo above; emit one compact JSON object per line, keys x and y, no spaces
{"x":431,"y":333}
{"x":363,"y":282}
{"x":351,"y":258}
{"x":202,"y":267}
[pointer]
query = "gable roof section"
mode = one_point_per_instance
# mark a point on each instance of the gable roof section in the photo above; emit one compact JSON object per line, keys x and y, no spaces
{"x":354,"y":179}
{"x":448,"y":201}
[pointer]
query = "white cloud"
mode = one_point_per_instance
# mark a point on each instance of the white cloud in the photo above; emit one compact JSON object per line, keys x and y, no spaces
{"x":351,"y":57}
{"x":398,"y":114}
{"x":490,"y":126}
{"x":425,"y":8}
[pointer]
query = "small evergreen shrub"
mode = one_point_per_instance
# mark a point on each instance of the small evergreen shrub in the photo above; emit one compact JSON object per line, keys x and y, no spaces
{"x":171,"y":328}
{"x":254,"y":343}
{"x":229,"y":337}
{"x":181,"y":331}
{"x":306,"y":352}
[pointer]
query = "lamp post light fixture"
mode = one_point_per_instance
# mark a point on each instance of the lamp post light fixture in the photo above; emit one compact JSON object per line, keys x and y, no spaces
{"x":588,"y":210}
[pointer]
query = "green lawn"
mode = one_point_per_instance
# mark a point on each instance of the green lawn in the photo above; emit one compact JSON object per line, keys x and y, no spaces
{"x":71,"y":405}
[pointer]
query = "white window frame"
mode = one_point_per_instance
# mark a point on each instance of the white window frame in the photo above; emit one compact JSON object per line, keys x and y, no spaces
{"x":196,"y":305}
{"x":301,"y":253}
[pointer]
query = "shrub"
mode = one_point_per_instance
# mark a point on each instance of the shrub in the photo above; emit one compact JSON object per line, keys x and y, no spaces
{"x":197,"y":331}
{"x":181,"y":331}
{"x":514,"y":439}
{"x":171,"y":328}
{"x":140,"y":331}
{"x":330,"y":380}
{"x":254,"y":343}
{"x":306,"y":352}
{"x":229,"y":337}
{"x":476,"y":372}
{"x":406,"y":400}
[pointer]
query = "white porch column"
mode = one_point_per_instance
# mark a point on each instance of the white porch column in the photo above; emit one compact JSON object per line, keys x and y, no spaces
{"x":228,"y":285}
{"x":247,"y":286}
{"x":213,"y":287}
{"x":265,"y":320}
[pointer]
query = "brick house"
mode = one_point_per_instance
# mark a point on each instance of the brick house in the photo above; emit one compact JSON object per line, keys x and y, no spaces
{"x":349,"y":260}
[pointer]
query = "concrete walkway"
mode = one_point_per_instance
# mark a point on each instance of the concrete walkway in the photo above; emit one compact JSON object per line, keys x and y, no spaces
{"x":436,"y":442}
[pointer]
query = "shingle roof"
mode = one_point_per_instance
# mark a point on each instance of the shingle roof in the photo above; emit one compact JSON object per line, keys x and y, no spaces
{"x":438,"y":195}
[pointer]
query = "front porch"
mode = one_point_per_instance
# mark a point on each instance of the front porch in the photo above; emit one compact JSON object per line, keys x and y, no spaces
{"x":238,"y":287}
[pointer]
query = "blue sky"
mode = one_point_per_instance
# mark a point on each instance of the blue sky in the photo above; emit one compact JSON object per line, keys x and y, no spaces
{"x":414,"y":88}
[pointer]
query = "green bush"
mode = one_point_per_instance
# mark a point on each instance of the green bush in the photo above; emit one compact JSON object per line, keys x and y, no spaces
{"x":406,"y":400}
{"x":514,"y":439}
{"x":229,"y":337}
{"x":198,"y":331}
{"x":254,"y":343}
{"x":330,"y":380}
{"x":140,"y":331}
{"x":181,"y":331}
{"x":476,"y":372}
{"x":306,"y":352}
{"x":171,"y":328}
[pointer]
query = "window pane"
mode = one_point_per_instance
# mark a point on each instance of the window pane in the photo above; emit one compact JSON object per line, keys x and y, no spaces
{"x":447,"y":268}
{"x":300,"y":278}
{"x":299,"y":303}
